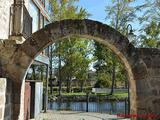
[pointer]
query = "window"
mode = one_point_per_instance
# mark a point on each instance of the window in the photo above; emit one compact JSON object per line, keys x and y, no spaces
{"x":42,"y":21}
{"x":34,"y":13}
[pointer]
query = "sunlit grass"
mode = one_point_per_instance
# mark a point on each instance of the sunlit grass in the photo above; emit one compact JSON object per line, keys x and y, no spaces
{"x":117,"y":95}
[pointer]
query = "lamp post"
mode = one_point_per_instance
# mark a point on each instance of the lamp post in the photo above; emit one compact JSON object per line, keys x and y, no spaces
{"x":129,"y":35}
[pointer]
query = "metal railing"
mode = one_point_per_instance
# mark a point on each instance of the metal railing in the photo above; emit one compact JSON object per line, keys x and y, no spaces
{"x":109,"y":106}
{"x":20,"y":21}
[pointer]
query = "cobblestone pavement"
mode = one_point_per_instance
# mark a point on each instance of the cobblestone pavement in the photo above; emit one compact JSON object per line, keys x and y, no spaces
{"x":75,"y":115}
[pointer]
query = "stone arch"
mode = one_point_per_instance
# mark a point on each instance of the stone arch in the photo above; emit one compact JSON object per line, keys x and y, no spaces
{"x":26,"y":52}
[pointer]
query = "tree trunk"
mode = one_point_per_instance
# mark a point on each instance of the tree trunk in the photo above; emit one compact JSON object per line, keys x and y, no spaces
{"x":68,"y":85}
{"x":59,"y":73}
{"x":81,"y":85}
{"x":34,"y":72}
{"x":113,"y":78}
{"x":41,"y":76}
{"x":50,"y":69}
{"x":126,"y":84}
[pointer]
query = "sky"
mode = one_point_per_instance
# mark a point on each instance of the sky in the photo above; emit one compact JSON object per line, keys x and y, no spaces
{"x":97,"y":9}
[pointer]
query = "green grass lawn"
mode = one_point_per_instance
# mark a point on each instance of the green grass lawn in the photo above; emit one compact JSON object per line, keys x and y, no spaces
{"x":117,"y":95}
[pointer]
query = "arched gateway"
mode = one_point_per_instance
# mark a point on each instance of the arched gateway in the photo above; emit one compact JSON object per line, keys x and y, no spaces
{"x":139,"y":63}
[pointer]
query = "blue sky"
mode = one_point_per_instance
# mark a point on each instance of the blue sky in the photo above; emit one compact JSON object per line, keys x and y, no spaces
{"x":97,"y":9}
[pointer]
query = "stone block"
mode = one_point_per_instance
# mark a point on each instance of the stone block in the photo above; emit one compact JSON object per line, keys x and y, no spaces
{"x":141,"y":104}
{"x":154,"y":72}
{"x":16,"y":98}
{"x":2,"y":100}
{"x":7,"y":99}
{"x":7,"y":111}
{"x":1,"y":115}
{"x":2,"y":85}
{"x":155,"y":92}
{"x":9,"y":86}
{"x":155,"y":82}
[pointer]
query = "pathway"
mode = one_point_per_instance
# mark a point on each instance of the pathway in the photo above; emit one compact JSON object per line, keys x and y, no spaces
{"x":75,"y":115}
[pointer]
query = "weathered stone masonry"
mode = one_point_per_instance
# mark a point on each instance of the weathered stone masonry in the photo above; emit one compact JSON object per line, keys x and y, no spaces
{"x":142,"y":65}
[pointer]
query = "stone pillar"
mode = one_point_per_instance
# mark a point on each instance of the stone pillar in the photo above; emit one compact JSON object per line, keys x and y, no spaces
{"x":19,"y":1}
{"x":142,"y":89}
{"x":16,"y":99}
{"x":148,"y":82}
{"x":5,"y":99}
{"x":2,"y":97}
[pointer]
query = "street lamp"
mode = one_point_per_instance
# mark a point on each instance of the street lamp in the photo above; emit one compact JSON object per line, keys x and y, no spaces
{"x":129,"y":35}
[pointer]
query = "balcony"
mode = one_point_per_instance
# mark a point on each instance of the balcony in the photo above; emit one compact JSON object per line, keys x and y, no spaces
{"x":20,"y":22}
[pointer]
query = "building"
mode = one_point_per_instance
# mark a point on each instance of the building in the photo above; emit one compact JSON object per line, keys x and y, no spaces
{"x":19,"y":19}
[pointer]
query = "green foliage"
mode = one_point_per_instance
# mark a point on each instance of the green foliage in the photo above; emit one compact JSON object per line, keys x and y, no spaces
{"x":74,"y":89}
{"x":66,"y":9}
{"x":108,"y":66}
{"x":151,"y":12}
{"x":102,"y":84}
{"x":116,"y":94}
{"x":37,"y":70}
{"x":150,"y":24}
{"x":120,"y":13}
{"x":71,"y":54}
{"x":105,"y":59}
{"x":151,"y":36}
{"x":74,"y":54}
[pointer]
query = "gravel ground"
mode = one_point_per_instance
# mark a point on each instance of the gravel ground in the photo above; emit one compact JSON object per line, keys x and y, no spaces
{"x":75,"y":115}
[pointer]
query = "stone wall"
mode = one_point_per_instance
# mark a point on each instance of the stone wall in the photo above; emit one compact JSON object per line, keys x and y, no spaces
{"x":27,"y":101}
{"x":21,"y":115}
{"x":5,"y":99}
{"x":151,"y":57}
{"x":5,"y":18}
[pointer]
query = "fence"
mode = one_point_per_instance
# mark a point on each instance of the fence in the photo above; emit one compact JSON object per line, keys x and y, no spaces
{"x":109,"y":106}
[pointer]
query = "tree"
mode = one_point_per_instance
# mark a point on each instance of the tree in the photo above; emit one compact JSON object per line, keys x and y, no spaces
{"x":33,"y":75}
{"x":40,"y":69}
{"x":103,"y":80}
{"x":150,"y":30}
{"x":119,"y":14}
{"x":151,"y":10}
{"x":74,"y":55}
{"x":150,"y":37}
{"x":64,"y":9}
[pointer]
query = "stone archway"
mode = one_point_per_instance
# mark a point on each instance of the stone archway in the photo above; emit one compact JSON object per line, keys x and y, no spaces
{"x":18,"y":58}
